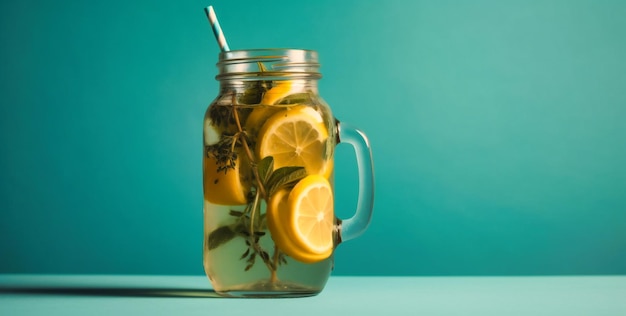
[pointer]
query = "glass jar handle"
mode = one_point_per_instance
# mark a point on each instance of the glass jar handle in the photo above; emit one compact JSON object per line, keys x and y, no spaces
{"x":358,"y":223}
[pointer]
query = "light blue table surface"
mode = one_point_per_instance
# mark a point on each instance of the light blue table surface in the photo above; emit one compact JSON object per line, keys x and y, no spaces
{"x":192,"y":295}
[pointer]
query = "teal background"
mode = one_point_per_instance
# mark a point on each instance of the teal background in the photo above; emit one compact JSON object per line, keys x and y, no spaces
{"x":498,"y":130}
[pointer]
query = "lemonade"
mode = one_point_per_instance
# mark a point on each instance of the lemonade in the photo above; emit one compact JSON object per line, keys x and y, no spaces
{"x":228,"y":273}
{"x":268,"y":188}
{"x":269,"y":140}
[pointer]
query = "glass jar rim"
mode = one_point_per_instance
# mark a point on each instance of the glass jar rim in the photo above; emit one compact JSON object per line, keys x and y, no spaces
{"x":250,"y":64}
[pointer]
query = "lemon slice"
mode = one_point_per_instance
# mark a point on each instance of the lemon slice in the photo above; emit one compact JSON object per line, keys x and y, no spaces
{"x":327,"y":172}
{"x":262,"y":112}
{"x":278,"y":222}
{"x":280,"y":90}
{"x":295,"y":137}
{"x":257,"y":117}
{"x":311,"y":215}
{"x":225,"y":188}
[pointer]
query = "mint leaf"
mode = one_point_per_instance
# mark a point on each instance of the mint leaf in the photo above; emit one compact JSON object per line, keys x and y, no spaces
{"x":284,"y":176}
{"x":220,"y":236}
{"x":296,"y":98}
{"x":265,"y":167}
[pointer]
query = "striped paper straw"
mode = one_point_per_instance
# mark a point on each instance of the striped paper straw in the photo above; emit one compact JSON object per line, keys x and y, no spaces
{"x":217,"y":30}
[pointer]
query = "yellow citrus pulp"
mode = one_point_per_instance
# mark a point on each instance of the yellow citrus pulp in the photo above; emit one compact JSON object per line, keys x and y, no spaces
{"x":226,"y":187}
{"x":301,"y":221}
{"x":280,"y":90}
{"x":295,"y":137}
{"x":263,"y":111}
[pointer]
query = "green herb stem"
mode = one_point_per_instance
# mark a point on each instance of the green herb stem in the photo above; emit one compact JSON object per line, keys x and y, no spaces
{"x":255,"y":206}
{"x":272,"y":266}
{"x":273,"y":276}
{"x":248,"y":152}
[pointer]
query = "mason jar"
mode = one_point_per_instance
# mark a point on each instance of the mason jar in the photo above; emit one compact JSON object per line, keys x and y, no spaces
{"x":268,"y":175}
